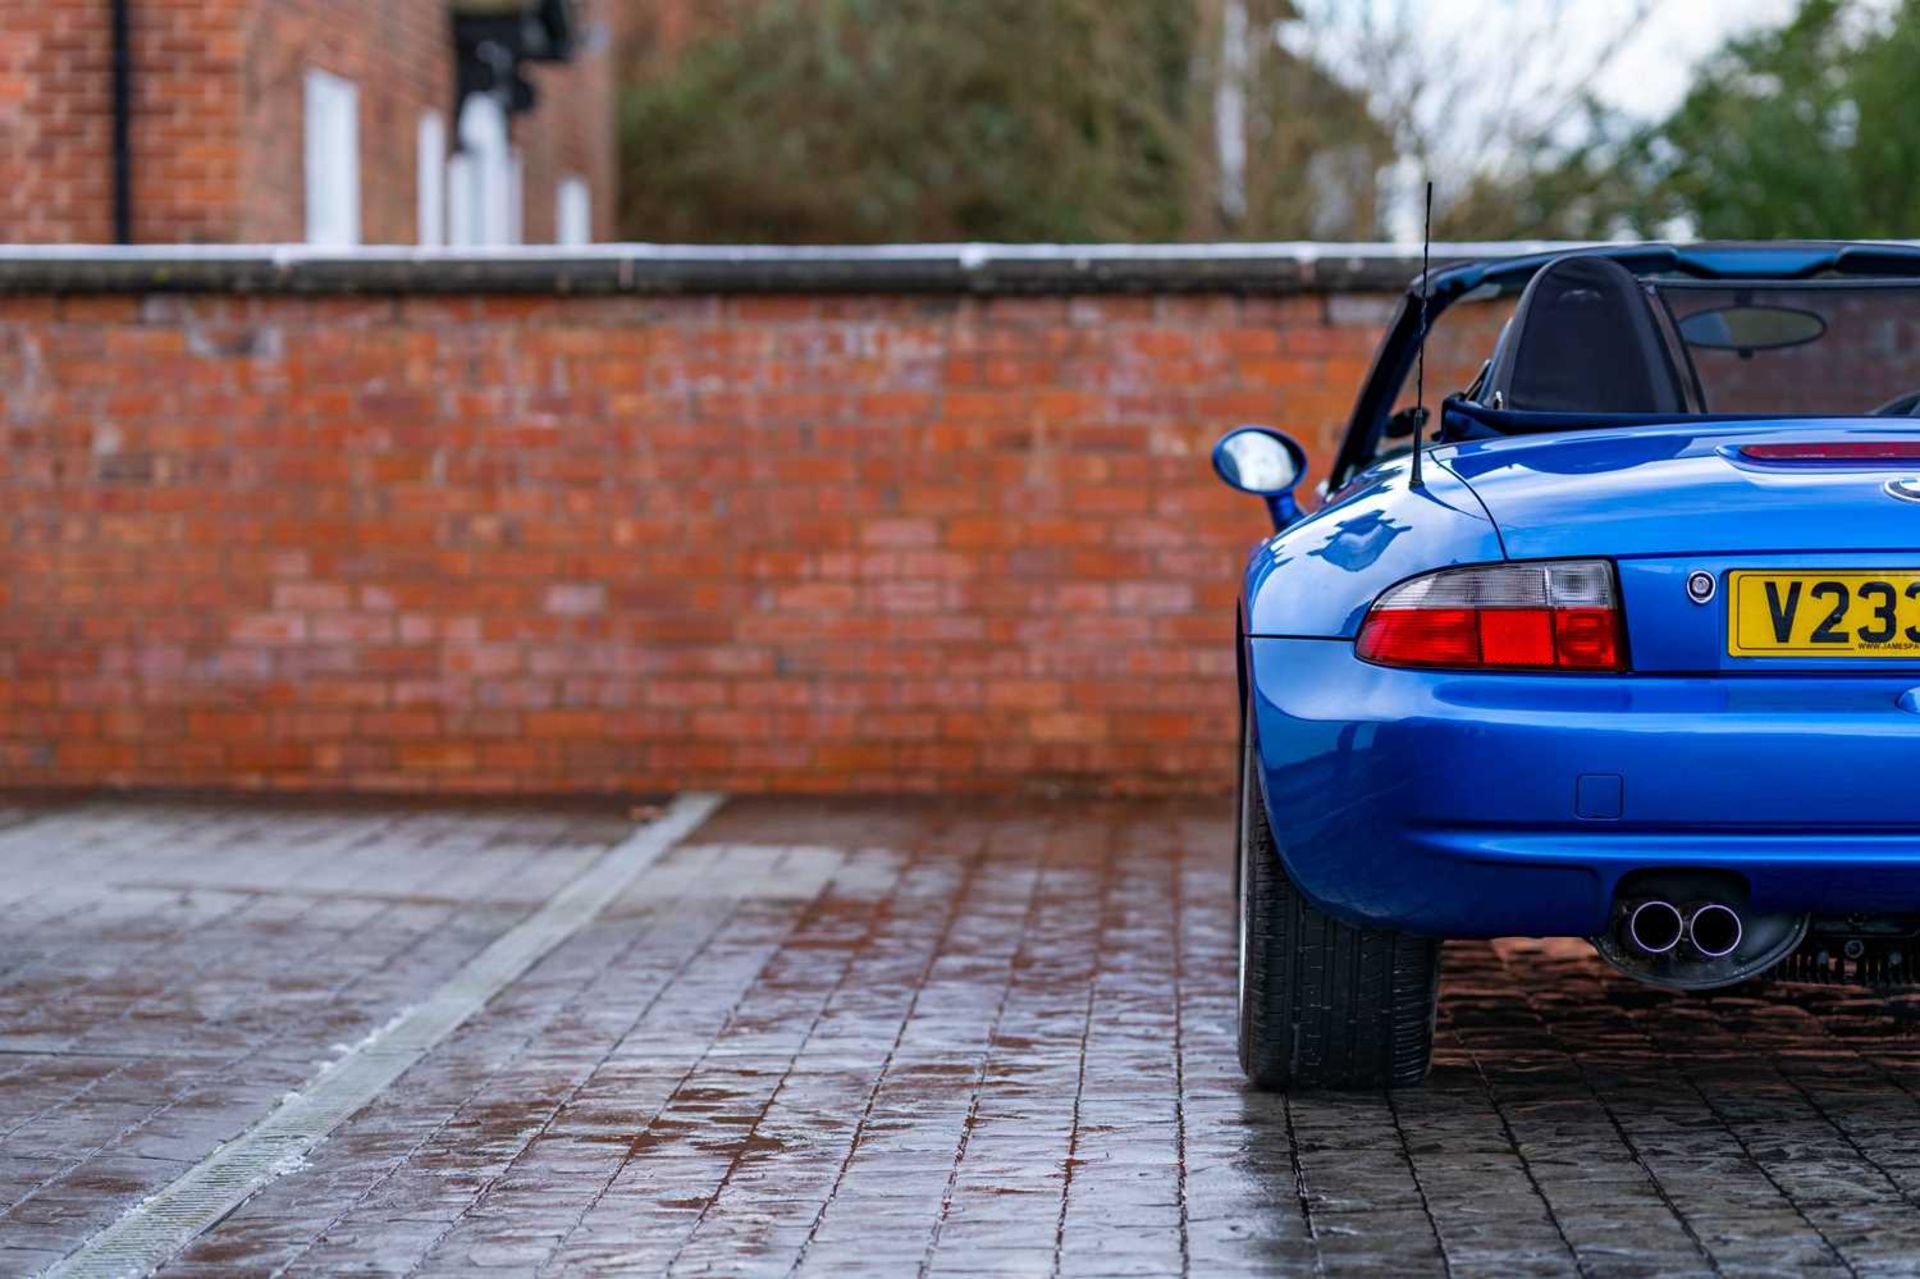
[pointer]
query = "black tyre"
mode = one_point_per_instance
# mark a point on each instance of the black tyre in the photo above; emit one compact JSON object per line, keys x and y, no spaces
{"x":1323,"y":1004}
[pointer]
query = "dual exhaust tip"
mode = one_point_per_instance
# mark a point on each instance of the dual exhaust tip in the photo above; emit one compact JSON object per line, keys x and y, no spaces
{"x":1711,"y":928}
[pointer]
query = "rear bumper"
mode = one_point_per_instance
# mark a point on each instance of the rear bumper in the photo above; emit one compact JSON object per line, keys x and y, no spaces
{"x":1491,"y":805}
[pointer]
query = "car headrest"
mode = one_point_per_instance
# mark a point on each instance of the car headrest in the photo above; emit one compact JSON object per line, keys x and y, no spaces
{"x":1583,"y":340}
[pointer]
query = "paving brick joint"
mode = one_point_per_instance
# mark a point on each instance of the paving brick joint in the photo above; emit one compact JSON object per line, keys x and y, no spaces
{"x":893,"y":1038}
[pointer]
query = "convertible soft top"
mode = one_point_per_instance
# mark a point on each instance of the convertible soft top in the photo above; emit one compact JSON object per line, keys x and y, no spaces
{"x":1618,"y":335}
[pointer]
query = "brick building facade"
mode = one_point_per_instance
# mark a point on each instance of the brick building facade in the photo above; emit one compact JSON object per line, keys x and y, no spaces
{"x":328,"y":121}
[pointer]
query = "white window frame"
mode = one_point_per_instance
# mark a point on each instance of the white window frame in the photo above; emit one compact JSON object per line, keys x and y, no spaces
{"x":331,"y":145}
{"x":516,"y":196}
{"x":431,"y":230}
{"x":480,"y":176}
{"x":573,"y":211}
{"x":463,"y":230}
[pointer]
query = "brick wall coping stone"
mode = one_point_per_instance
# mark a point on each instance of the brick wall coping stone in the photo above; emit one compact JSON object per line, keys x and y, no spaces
{"x":1269,"y":269}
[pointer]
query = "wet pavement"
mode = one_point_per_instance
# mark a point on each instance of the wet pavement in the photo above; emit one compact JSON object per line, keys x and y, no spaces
{"x":876,"y":1039}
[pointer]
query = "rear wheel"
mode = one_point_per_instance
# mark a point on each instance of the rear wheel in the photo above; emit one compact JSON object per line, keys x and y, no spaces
{"x":1323,"y":1004}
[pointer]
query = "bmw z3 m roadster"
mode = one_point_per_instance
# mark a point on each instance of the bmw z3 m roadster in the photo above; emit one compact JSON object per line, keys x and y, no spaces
{"x":1627,"y":647}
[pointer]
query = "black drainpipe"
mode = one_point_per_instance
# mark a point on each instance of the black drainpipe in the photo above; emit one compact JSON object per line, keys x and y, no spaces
{"x":122,"y":124}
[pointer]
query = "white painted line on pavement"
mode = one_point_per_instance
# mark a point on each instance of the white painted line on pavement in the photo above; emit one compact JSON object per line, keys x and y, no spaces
{"x":164,"y":1223}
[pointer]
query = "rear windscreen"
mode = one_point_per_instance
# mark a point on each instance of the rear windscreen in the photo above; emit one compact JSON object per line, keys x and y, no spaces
{"x":1844,"y":349}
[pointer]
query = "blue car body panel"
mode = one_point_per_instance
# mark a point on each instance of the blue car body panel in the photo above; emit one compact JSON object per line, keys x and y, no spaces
{"x":1477,"y":804}
{"x":1685,"y":489}
{"x":1325,"y":570}
{"x":1486,"y":805}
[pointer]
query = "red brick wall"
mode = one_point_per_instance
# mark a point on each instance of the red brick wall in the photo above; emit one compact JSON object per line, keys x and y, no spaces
{"x":551,"y":544}
{"x":56,"y":178}
{"x":571,"y":131}
{"x":399,"y":57}
{"x":218,"y":116}
{"x":189,"y":119}
{"x":56,"y":121}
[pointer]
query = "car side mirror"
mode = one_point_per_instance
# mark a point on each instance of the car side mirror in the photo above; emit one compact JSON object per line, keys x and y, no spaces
{"x":1262,"y":461}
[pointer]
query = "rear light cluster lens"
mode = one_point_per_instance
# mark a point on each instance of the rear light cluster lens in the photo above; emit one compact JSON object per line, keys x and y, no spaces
{"x":1522,"y":617}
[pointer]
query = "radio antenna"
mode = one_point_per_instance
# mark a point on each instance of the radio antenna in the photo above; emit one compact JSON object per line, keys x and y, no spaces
{"x":1416,"y":479}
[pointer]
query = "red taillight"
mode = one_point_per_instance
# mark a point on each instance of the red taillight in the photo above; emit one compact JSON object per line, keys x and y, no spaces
{"x":1835,"y":451}
{"x":1532,"y":617}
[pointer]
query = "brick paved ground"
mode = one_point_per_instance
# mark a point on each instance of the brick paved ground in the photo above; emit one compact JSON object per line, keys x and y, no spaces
{"x":879,"y":1039}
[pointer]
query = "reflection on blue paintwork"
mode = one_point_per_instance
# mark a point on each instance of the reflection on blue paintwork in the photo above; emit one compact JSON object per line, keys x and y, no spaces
{"x":1337,"y":559}
{"x":1356,"y":543}
{"x":1588,"y":456}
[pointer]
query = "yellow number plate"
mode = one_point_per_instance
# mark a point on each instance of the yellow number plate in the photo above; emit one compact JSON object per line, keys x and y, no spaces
{"x":1847,"y":614}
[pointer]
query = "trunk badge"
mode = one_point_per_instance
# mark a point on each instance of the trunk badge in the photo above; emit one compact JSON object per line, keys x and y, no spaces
{"x":1907,"y":490}
{"x":1701,"y":584}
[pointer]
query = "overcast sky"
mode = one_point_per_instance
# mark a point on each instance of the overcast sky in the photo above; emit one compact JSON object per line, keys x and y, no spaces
{"x":1528,"y":53}
{"x":1650,"y":75}
{"x":1535,"y":38}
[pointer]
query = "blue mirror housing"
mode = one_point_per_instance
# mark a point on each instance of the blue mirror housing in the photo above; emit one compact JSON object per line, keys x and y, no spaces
{"x":1262,"y":461}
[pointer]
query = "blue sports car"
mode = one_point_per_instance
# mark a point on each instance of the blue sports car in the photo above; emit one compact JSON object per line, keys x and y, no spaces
{"x":1624,"y":644}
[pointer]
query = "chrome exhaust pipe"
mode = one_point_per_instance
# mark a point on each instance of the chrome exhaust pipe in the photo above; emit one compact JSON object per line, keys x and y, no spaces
{"x":1715,"y":930}
{"x":1655,"y":927}
{"x":1693,"y":930}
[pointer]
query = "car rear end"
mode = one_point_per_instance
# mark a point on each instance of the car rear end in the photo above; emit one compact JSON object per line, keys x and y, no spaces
{"x":1693,"y":686}
{"x":1635,"y":655}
